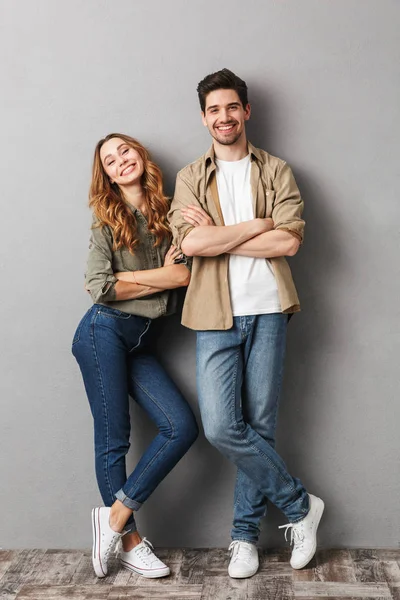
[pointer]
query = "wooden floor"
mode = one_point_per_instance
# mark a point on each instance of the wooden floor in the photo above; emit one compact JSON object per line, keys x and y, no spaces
{"x":202,"y":575}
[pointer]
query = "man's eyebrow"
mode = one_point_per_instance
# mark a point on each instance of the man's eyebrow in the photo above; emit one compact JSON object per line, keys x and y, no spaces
{"x":108,"y":155}
{"x":228,"y":105}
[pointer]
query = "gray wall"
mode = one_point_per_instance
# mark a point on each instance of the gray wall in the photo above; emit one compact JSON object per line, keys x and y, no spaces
{"x":324,"y":83}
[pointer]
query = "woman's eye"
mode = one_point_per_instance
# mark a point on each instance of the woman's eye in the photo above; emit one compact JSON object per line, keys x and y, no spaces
{"x":110,"y":163}
{"x":125,"y":151}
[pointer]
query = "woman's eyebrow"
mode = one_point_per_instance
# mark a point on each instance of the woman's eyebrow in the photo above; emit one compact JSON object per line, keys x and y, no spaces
{"x":108,"y":155}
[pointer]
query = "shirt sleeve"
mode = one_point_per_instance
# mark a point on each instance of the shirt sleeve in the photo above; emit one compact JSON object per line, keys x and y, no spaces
{"x":100,"y":280}
{"x":183,"y":196}
{"x":288,"y":205}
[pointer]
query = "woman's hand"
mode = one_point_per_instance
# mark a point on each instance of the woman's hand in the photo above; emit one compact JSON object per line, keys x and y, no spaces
{"x":172,"y":254}
{"x":196,"y":216}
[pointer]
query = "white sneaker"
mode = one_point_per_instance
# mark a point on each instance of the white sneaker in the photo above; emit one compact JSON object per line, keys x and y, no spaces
{"x":104,"y":540}
{"x":304,"y":534}
{"x":141,"y":559}
{"x":244,"y":559}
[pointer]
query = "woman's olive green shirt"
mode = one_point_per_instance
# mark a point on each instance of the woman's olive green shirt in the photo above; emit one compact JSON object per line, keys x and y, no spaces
{"x":103,"y":262}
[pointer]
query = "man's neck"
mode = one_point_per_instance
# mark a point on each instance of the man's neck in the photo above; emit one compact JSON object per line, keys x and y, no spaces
{"x":233,"y":152}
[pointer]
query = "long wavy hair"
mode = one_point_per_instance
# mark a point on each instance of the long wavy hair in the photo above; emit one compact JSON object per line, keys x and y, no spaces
{"x":108,"y":204}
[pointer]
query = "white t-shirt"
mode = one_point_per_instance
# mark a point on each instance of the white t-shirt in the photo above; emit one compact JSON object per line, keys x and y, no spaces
{"x":252,"y":282}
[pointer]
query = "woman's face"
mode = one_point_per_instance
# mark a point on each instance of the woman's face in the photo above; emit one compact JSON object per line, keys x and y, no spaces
{"x":121,"y":162}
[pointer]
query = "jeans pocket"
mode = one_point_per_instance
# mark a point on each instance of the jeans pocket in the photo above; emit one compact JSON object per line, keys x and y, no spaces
{"x":113,"y":313}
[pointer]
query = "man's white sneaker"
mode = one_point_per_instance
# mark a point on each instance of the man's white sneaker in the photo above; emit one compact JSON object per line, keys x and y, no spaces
{"x":304,"y":534}
{"x":244,"y":559}
{"x":104,"y":540}
{"x":141,"y":559}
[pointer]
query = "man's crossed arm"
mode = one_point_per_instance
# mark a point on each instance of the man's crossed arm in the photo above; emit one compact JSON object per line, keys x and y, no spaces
{"x":256,"y":238}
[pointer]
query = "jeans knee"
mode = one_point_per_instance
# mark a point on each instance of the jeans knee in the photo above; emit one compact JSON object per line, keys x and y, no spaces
{"x":188,"y":432}
{"x":217,"y":434}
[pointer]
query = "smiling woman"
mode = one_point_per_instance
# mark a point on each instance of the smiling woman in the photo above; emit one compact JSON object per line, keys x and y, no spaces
{"x":131,"y":274}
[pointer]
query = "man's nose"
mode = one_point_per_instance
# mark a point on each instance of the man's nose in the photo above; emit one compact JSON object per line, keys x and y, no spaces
{"x":224,"y":115}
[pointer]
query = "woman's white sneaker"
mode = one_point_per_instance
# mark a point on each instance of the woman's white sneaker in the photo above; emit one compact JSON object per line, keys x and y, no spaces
{"x":304,"y":534}
{"x":244,"y":559}
{"x":141,"y":559}
{"x":104,"y":540}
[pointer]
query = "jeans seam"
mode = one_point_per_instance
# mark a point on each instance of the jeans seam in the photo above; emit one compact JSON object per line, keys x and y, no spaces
{"x":163,"y":446}
{"x":104,"y":403}
{"x":247,"y":442}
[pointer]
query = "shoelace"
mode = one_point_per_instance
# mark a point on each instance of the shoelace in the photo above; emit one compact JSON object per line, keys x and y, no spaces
{"x":144,"y":552}
{"x":243,"y":553}
{"x":114,"y":544}
{"x":296,"y":534}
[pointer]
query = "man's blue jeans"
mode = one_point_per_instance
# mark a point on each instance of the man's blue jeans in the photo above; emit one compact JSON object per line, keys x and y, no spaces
{"x":112,"y":351}
{"x":239,"y":375}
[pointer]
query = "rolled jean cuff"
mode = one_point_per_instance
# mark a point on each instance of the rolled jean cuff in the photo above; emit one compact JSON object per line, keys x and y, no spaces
{"x":132,"y":504}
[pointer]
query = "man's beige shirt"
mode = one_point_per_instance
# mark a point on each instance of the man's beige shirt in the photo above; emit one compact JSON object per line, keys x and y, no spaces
{"x":275,"y":194}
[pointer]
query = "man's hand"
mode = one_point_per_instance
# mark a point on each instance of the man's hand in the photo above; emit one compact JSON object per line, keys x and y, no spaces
{"x":196,"y":216}
{"x":172,"y":254}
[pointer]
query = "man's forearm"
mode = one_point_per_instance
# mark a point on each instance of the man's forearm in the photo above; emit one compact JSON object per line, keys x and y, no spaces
{"x":210,"y":240}
{"x":268,"y":245}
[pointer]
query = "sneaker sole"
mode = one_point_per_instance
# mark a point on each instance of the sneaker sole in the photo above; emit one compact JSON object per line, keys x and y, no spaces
{"x":97,"y":566}
{"x":244,"y":576}
{"x":311,"y":556}
{"x":150,"y":574}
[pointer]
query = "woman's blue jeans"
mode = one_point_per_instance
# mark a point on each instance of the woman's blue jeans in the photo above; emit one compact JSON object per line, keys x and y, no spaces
{"x":116,"y":362}
{"x":239,"y":375}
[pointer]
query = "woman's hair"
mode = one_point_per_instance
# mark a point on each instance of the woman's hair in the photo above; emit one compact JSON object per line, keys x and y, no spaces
{"x":108,"y":205}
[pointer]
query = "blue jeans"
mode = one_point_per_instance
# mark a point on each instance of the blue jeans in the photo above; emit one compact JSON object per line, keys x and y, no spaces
{"x":239,"y":375}
{"x":113,"y":352}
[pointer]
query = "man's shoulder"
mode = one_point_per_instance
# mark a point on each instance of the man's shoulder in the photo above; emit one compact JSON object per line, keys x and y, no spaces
{"x":194,"y":170}
{"x":268,"y":161}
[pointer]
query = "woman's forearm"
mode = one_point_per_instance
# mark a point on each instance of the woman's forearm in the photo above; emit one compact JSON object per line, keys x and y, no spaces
{"x":163,"y":278}
{"x":129,"y":291}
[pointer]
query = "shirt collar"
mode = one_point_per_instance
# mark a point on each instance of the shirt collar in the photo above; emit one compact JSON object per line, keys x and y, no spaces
{"x":210,"y":154}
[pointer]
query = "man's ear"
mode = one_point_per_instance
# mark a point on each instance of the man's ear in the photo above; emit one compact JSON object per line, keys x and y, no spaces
{"x":203,"y":118}
{"x":247,"y":112}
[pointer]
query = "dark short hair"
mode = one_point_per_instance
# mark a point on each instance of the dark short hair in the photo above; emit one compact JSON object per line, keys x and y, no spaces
{"x":222,"y":80}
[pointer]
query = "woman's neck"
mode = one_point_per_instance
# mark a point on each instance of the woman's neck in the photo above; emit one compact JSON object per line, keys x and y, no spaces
{"x":135,"y":195}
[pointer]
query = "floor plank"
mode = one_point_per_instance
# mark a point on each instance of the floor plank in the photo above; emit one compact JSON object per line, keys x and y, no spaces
{"x":320,"y":589}
{"x":223,"y":588}
{"x":335,"y":565}
{"x":201,"y":574}
{"x":7,"y":557}
{"x":24,"y":567}
{"x":273,"y":588}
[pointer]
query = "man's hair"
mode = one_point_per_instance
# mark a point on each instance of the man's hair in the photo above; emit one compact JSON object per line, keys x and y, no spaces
{"x":222,"y":80}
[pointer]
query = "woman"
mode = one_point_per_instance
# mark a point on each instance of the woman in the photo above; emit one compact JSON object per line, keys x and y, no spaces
{"x":131,"y":270}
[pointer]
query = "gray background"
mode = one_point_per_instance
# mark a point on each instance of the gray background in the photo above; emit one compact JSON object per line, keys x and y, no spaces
{"x":324,"y":84}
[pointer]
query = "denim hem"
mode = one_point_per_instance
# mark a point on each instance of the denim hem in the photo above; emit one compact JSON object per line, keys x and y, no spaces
{"x":132,"y":504}
{"x":130,"y":528}
{"x":254,"y":543}
{"x":301,"y":518}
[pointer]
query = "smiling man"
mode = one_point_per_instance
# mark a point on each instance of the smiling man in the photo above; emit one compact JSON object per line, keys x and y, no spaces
{"x":237,"y":210}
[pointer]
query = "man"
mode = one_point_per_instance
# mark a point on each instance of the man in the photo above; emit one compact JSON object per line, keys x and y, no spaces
{"x":237,"y":211}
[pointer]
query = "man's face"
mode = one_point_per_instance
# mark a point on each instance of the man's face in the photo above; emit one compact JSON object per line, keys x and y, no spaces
{"x":225,"y":116}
